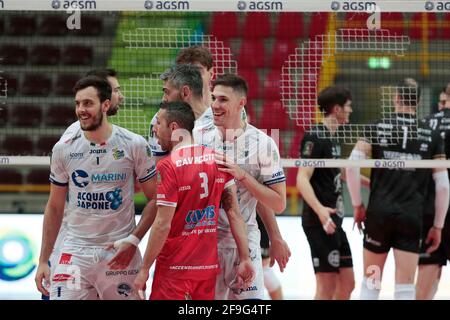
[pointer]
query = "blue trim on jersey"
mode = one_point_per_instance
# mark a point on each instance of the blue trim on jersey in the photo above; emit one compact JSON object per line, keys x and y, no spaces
{"x":159,"y":154}
{"x":148,"y":177}
{"x":58,"y":183}
{"x":274,"y":181}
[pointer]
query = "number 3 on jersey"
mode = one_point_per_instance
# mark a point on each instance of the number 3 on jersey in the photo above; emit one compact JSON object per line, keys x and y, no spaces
{"x":204,"y":184}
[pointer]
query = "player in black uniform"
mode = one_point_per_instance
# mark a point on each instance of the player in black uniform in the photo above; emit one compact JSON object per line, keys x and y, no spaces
{"x":431,"y":262}
{"x":397,"y":196}
{"x":322,"y":191}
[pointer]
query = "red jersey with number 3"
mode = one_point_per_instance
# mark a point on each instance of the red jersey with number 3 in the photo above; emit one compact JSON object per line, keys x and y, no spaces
{"x":189,"y":180}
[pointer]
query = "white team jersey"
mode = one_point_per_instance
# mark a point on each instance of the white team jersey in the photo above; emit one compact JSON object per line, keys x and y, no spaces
{"x":74,"y":127}
{"x":100,"y":180}
{"x":203,"y":125}
{"x":256,"y":153}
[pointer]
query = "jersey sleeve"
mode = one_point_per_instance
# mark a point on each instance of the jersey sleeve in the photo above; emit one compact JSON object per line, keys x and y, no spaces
{"x":58,"y":173}
{"x":144,"y":163}
{"x":310,"y":147}
{"x":167,"y":186}
{"x":439,"y":145}
{"x":153,"y":141}
{"x":271,"y":170}
{"x":229,"y":180}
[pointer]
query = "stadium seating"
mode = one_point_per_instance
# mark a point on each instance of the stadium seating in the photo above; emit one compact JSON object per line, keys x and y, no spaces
{"x":60,"y":115}
{"x":65,"y":83}
{"x":273,"y":116}
{"x":271,"y":85}
{"x":2,"y":26}
{"x":256,"y":25}
{"x":10,"y":176}
{"x":38,"y":176}
{"x":13,"y":54}
{"x":253,"y":82}
{"x":252,"y":54}
{"x":355,"y":20}
{"x":416,"y":27}
{"x":26,"y":115}
{"x":289,"y":25}
{"x":280,"y":52}
{"x":318,"y":24}
{"x":445,"y":31}
{"x":21,"y":25}
{"x":90,"y":26}
{"x":393,"y":21}
{"x":224,"y":25}
{"x":77,"y":55}
{"x":9,"y":83}
{"x":44,"y":145}
{"x":3,"y":114}
{"x":45,"y":55}
{"x":36,"y":84}
{"x":17,"y":145}
{"x":53,"y":25}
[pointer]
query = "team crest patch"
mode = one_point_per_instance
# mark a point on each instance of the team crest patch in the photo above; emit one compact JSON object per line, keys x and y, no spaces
{"x":308,"y":148}
{"x":124,"y":289}
{"x":333,"y":258}
{"x":118,"y":154}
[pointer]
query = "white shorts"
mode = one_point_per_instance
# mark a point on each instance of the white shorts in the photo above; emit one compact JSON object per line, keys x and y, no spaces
{"x":82,"y":273}
{"x":228,"y":260}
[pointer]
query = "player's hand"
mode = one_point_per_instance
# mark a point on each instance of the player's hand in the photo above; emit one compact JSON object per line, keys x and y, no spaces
{"x":229,"y":166}
{"x":140,"y":282}
{"x":433,"y":238}
{"x":279,"y":251}
{"x":325,"y":218}
{"x":123,"y":256}
{"x":359,"y":217}
{"x":42,"y":278}
{"x":245,"y":274}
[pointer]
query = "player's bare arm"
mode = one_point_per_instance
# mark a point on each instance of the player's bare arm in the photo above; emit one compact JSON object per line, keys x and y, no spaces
{"x":53,"y":216}
{"x":324,"y":213}
{"x":126,"y":249}
{"x":274,"y":196}
{"x":158,"y":235}
{"x":279,"y":250}
{"x":245,"y":270}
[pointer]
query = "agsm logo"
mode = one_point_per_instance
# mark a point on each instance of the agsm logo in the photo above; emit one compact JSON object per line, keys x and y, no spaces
{"x":17,"y":255}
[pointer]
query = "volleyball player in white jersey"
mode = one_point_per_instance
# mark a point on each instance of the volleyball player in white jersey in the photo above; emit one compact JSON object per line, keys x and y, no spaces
{"x":253,"y":159}
{"x":96,"y":168}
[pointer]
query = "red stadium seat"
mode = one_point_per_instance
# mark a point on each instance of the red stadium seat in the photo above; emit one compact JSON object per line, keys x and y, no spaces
{"x":36,"y":84}
{"x":224,"y":25}
{"x":256,"y":26}
{"x":26,"y":115}
{"x":10,"y":176}
{"x":445,"y":31}
{"x":253,"y":82}
{"x":289,"y":25}
{"x":38,"y":176}
{"x":2,"y":25}
{"x":90,"y":26}
{"x":3,"y":114}
{"x":45,"y":55}
{"x":65,"y":83}
{"x":417,"y":26}
{"x":77,"y":55}
{"x":251,"y":116}
{"x":13,"y":54}
{"x":274,"y":116}
{"x":53,"y":25}
{"x":8,"y":84}
{"x":45,"y":145}
{"x":281,"y":50}
{"x":294,"y":149}
{"x":318,"y":24}
{"x":355,"y":20}
{"x":60,"y":115}
{"x":251,"y":54}
{"x":21,"y":25}
{"x":17,"y":146}
{"x":271,"y":85}
{"x":393,"y":21}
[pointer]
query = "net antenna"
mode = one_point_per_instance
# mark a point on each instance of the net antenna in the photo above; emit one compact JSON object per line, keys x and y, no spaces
{"x":301,"y":72}
{"x":140,"y":91}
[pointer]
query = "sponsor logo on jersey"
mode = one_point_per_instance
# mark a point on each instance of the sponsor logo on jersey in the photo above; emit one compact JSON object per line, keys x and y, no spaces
{"x":184,"y":188}
{"x":97,"y":151}
{"x":82,"y":179}
{"x":308,"y":148}
{"x":66,"y":258}
{"x":121,"y":273}
{"x":76,"y":155}
{"x":195,"y":160}
{"x":124,"y":289}
{"x":200,"y":217}
{"x":316,"y":262}
{"x":118,"y":154}
{"x":370,"y":240}
{"x":100,"y":201}
{"x":334,"y":258}
{"x":62,"y":277}
{"x":424,"y":147}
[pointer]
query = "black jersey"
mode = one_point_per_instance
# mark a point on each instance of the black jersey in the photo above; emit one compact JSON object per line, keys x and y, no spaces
{"x":401,"y":137}
{"x":319,"y":143}
{"x":439,"y":121}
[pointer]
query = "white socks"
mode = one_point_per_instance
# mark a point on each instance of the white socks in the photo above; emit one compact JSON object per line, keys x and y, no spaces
{"x":405,"y":292}
{"x":369,"y":290}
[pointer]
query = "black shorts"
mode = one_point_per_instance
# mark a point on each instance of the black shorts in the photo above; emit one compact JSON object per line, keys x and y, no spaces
{"x":384,"y":231}
{"x":329,"y":252}
{"x":442,"y":253}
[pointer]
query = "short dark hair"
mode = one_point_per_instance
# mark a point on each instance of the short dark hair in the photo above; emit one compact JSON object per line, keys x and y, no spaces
{"x":195,"y":54}
{"x":179,"y":112}
{"x":102,"y":73}
{"x":185,"y":75}
{"x":331,"y":96}
{"x":102,"y":85}
{"x":408,"y":91}
{"x":233,"y":81}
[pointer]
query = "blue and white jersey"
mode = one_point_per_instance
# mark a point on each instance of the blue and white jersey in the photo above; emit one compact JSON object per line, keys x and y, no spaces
{"x":256,"y":153}
{"x":74,"y":127}
{"x":100,"y":180}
